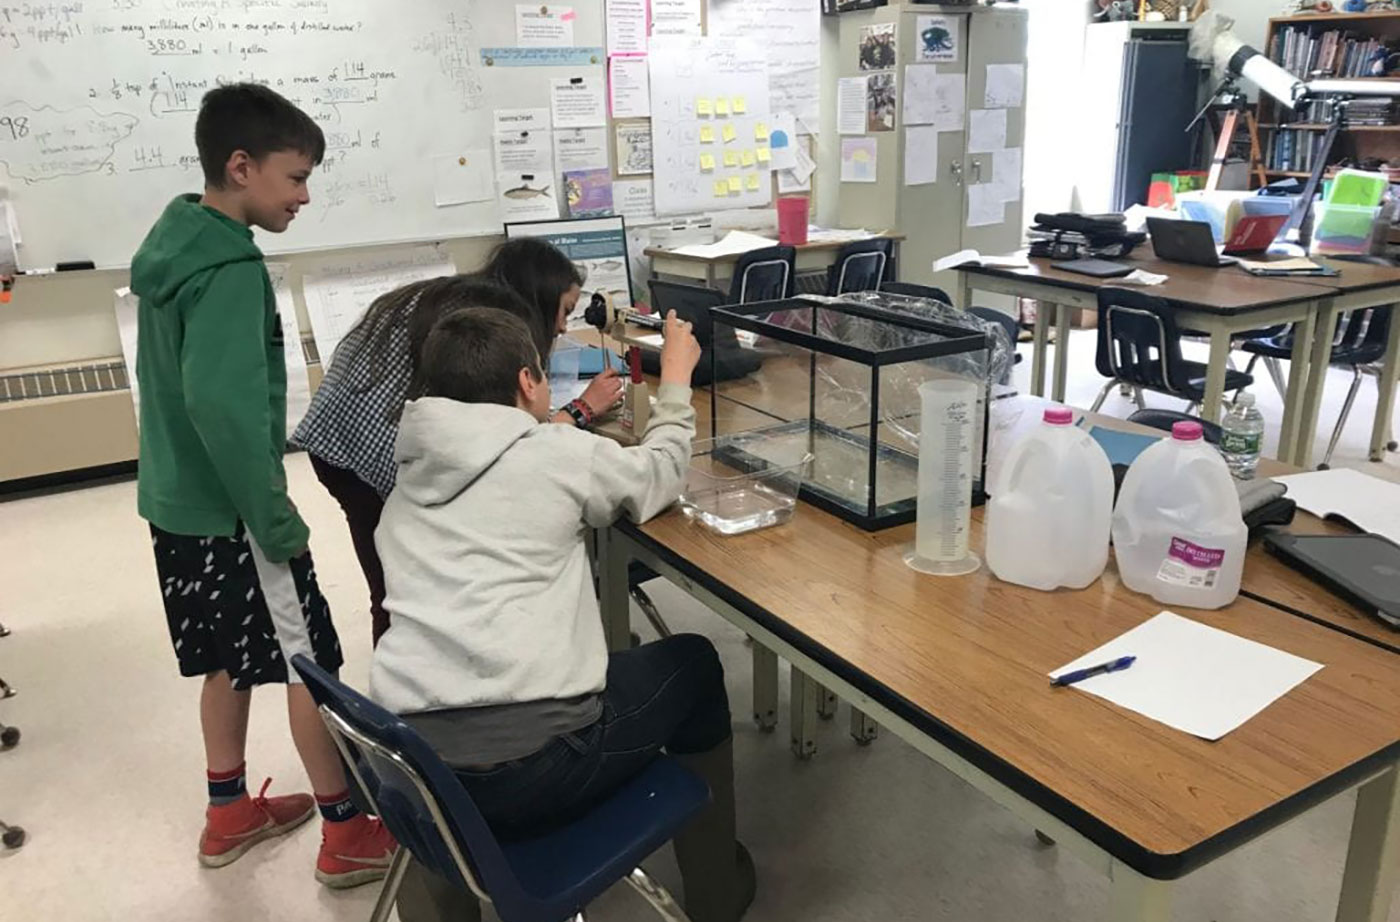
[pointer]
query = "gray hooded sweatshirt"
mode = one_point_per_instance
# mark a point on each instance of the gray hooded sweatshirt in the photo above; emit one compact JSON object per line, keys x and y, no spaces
{"x":489,"y":590}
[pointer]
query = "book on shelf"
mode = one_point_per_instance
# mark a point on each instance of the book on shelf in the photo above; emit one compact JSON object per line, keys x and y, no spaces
{"x":1307,"y":50}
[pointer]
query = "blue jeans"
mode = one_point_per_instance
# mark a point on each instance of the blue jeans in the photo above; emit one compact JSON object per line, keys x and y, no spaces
{"x":664,"y":695}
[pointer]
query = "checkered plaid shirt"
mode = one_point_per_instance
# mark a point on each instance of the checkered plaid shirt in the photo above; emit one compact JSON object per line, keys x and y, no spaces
{"x":352,"y":424}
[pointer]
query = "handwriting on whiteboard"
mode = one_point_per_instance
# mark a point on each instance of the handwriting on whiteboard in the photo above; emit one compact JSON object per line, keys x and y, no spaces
{"x":45,"y":143}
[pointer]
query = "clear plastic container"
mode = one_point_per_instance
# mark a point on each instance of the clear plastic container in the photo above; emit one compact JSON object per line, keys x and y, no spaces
{"x":744,"y":482}
{"x":1178,"y":534}
{"x":1051,"y":507}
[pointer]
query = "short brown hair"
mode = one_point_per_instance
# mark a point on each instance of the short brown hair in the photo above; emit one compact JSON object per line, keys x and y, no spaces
{"x":255,"y":119}
{"x":475,"y":355}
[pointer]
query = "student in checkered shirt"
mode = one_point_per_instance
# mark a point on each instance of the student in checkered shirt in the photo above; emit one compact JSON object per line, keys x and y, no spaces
{"x":352,"y":423}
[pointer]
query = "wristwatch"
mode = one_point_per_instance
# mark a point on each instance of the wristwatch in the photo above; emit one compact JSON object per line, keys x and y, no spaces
{"x":578,"y":412}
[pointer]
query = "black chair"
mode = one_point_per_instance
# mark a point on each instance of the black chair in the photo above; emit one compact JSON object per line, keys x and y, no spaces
{"x":1359,"y":344}
{"x":693,"y":303}
{"x":765,"y":274}
{"x":916,"y":291}
{"x":1140,"y":346}
{"x":861,"y":265}
{"x":933,"y":293}
{"x":1165,"y":419}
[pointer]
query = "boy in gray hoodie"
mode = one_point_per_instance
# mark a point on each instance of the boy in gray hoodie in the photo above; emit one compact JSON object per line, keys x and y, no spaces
{"x":496,"y":651}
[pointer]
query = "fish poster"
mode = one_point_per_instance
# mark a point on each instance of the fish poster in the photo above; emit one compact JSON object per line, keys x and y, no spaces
{"x":527,"y":197}
{"x":596,"y":245}
{"x":937,"y":38}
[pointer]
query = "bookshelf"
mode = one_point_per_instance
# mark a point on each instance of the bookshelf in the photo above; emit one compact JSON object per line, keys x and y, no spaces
{"x":1336,"y":45}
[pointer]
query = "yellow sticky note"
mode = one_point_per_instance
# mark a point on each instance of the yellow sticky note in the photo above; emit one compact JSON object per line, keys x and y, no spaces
{"x":747,"y":159}
{"x":707,"y":134}
{"x":704,"y":106}
{"x":760,"y":131}
{"x":763,"y":155}
{"x":721,"y":189}
{"x":707,"y":162}
{"x":729,"y":133}
{"x":721,"y":106}
{"x":731,"y":158}
{"x":753,"y":182}
{"x":741,"y":105}
{"x":735,"y":184}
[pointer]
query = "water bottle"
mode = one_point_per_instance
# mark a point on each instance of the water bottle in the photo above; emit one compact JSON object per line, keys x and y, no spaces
{"x":1242,"y":435}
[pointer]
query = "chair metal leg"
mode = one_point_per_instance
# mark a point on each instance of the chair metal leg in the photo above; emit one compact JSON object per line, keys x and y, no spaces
{"x":1191,"y":408}
{"x":648,"y":607}
{"x":384,"y":906}
{"x":1138,"y":399}
{"x":4,"y":631}
{"x":658,"y":896}
{"x":1342,"y":419}
{"x":1103,"y":395}
{"x":826,"y":703}
{"x":765,"y":688}
{"x":863,"y":730}
{"x":1275,"y":368}
{"x":803,"y":715}
{"x":6,"y":690}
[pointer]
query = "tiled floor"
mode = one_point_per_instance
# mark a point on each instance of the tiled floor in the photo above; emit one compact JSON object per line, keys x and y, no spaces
{"x":108,"y":779}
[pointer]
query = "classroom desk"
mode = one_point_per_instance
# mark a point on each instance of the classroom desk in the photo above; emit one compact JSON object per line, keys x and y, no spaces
{"x":711,"y":270}
{"x":957,"y":668}
{"x":1221,"y":303}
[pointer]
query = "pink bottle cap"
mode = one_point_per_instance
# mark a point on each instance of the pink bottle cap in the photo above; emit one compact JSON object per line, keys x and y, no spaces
{"x":1059,"y":416}
{"x":1186,"y":432}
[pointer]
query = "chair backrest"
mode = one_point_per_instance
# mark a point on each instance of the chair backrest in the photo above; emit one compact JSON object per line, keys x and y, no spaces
{"x":1139,"y":342}
{"x":909,"y":289}
{"x":861,"y":265}
{"x":1165,"y":419}
{"x":765,"y":274}
{"x":414,"y":792}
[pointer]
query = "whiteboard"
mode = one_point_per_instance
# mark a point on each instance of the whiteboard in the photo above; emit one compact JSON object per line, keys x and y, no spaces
{"x":98,"y":101}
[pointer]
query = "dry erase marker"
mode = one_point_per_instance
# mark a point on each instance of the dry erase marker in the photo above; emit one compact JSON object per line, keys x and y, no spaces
{"x":1079,"y":675}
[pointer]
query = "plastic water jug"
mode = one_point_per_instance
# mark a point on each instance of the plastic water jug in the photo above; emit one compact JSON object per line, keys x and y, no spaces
{"x":1177,"y":532}
{"x":1049,"y":516}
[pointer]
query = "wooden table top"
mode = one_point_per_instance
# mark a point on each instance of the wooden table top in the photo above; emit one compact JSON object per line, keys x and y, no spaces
{"x":966,"y":659}
{"x":802,"y":248}
{"x":1227,"y":290}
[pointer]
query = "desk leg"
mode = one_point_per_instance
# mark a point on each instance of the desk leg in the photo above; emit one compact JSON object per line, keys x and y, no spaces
{"x":1043,"y":310}
{"x":1373,"y":857}
{"x":826,"y":703}
{"x":803,"y":714}
{"x":1297,"y":386}
{"x":1215,"y":374}
{"x":1323,"y":331}
{"x":1135,"y":898}
{"x":765,"y":687}
{"x":1385,"y":401}
{"x":965,"y":284}
{"x":863,"y":729}
{"x":613,"y":599}
{"x":1062,"y":317}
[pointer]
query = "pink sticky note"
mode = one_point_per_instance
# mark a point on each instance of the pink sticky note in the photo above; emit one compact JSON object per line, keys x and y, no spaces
{"x":567,"y":16}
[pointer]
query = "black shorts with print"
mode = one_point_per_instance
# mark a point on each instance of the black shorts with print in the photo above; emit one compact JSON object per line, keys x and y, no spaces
{"x":230,"y":609}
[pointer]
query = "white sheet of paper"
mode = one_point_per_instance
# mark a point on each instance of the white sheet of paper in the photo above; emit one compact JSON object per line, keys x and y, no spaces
{"x":126,"y":304}
{"x":730,"y":244}
{"x":528,"y":196}
{"x":850,"y":105}
{"x":632,"y":198}
{"x":539,"y":26}
{"x":1192,"y":677}
{"x":937,"y":38}
{"x":804,"y":166}
{"x":630,"y":86}
{"x":338,"y":290}
{"x":675,"y":17}
{"x":1006,"y":174}
{"x":626,"y":26}
{"x":783,"y":142}
{"x":986,"y":131}
{"x":858,"y":160}
{"x":962,"y":257}
{"x":789,"y":184}
{"x":578,"y":102}
{"x":1367,"y":502}
{"x":931,"y":98}
{"x":507,"y":120}
{"x":920,"y":155}
{"x":633,"y":145}
{"x":298,"y":385}
{"x":464,"y":177}
{"x":529,"y":152}
{"x":984,"y":206}
{"x":791,"y":31}
{"x":580,"y":149}
{"x":1006,"y":86}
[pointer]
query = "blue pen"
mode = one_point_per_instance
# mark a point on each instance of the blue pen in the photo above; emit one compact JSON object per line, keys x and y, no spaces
{"x":1079,"y":675}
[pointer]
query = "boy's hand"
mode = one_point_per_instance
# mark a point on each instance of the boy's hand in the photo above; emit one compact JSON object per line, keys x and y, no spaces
{"x":680,"y":354}
{"x":603,"y":392}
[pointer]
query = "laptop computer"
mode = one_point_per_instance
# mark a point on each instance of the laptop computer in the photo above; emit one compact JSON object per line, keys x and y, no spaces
{"x":1363,"y":569}
{"x":1185,"y":242}
{"x":1254,"y":234}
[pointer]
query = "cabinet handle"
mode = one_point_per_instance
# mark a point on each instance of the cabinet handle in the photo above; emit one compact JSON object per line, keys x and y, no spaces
{"x":955,"y":170}
{"x":976,"y":171}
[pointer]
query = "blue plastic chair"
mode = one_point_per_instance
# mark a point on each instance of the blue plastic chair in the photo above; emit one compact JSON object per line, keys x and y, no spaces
{"x":546,"y":878}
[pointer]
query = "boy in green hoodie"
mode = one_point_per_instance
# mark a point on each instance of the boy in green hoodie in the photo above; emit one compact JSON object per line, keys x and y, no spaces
{"x":239,"y":589}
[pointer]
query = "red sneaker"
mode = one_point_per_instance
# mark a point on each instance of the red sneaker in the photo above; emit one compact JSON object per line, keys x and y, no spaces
{"x":232,"y":829}
{"x":354,"y":852}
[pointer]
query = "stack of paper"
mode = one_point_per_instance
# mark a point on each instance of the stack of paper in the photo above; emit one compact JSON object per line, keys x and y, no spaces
{"x":963,"y":257}
{"x":836,"y":234}
{"x":1299,"y":264}
{"x":731,"y":244}
{"x":1369,"y":503}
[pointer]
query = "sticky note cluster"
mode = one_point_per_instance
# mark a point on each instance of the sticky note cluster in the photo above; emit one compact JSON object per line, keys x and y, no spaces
{"x":736,"y":185}
{"x":721,"y":106}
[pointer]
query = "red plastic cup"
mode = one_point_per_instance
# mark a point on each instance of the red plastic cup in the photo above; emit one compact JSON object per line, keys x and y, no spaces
{"x":792,"y":220}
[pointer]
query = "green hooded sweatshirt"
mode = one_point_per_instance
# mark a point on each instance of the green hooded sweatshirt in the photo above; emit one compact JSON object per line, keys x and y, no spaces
{"x":213,"y":383}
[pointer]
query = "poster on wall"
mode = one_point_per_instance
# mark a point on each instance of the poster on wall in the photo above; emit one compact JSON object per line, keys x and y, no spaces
{"x":879,"y":102}
{"x":599,"y":245}
{"x":633,"y":149}
{"x":877,"y":46}
{"x":938,"y":38}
